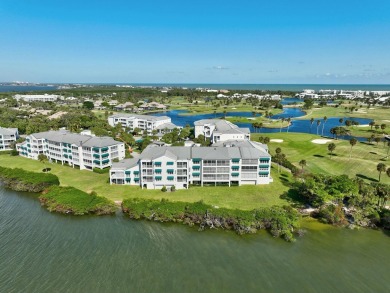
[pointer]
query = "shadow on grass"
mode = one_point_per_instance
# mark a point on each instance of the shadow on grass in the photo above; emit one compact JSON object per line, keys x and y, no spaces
{"x":386,"y":232}
{"x":293,"y":197}
{"x":318,"y":156}
{"x":366,"y":177}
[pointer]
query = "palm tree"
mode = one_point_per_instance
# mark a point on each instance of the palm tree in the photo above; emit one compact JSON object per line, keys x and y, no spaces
{"x":311,"y":123}
{"x":341,"y":120}
{"x":380,"y":168}
{"x":302,"y":163}
{"x":318,"y":125}
{"x":352,"y":142}
{"x":331,"y":148}
{"x":323,"y":125}
{"x":282,"y":120}
{"x":289,"y":122}
{"x":278,"y":152}
{"x":372,"y":123}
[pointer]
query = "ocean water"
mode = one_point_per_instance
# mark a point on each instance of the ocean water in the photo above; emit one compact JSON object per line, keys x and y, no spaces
{"x":272,"y":87}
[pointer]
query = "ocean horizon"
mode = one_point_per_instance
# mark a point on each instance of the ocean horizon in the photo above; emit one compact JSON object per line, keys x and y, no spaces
{"x":217,"y":86}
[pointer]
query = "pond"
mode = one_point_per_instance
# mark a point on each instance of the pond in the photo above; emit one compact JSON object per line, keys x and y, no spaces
{"x":180,"y":118}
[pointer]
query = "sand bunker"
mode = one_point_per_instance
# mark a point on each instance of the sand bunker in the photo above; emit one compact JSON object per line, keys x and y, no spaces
{"x":321,"y":141}
{"x":276,"y":140}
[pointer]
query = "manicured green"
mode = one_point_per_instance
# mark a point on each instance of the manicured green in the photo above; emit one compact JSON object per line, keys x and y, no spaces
{"x":379,"y":114}
{"x":361,"y":162}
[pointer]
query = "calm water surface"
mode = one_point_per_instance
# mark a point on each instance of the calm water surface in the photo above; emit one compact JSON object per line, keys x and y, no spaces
{"x":44,"y":252}
{"x":178,"y":117}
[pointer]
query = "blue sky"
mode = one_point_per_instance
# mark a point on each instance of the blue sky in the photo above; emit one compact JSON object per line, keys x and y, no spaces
{"x":200,"y":41}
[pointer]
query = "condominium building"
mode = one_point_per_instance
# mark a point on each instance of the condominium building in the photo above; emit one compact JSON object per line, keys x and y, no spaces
{"x":181,"y":166}
{"x":7,"y":137}
{"x":143,"y":122}
{"x":76,"y":150}
{"x":220,"y":130}
{"x":38,"y":98}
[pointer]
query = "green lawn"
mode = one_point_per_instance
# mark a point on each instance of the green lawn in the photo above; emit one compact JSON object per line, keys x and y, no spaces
{"x":363,"y":161}
{"x":378,"y":114}
{"x":243,"y":197}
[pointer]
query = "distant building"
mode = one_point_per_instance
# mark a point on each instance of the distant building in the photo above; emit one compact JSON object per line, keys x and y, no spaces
{"x":7,"y":137}
{"x":76,"y":150}
{"x":220,"y":130}
{"x":143,"y":122}
{"x":124,"y":107}
{"x":39,"y":98}
{"x":181,"y":166}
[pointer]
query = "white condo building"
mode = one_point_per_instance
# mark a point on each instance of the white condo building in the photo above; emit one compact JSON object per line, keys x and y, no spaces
{"x":143,"y":122}
{"x":246,"y":163}
{"x":39,"y":98}
{"x":220,"y":130}
{"x":7,"y":137}
{"x":76,"y":150}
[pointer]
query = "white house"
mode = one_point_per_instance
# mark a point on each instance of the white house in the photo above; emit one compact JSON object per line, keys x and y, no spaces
{"x":143,"y":122}
{"x":220,"y":130}
{"x":38,"y":98}
{"x":81,"y":151}
{"x":7,"y":137}
{"x":181,"y":166}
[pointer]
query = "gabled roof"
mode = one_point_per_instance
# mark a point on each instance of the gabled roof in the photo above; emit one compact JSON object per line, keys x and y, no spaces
{"x":125,"y":164}
{"x":138,"y":116}
{"x":76,"y":139}
{"x":169,"y":125}
{"x":8,"y":131}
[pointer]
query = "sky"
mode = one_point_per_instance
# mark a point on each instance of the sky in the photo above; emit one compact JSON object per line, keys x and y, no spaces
{"x":343,"y":41}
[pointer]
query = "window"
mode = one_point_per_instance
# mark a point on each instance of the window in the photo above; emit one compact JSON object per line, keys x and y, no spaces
{"x":249,"y":168}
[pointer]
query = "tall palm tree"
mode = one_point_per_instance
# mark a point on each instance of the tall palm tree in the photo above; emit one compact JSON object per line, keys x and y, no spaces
{"x":288,"y":121}
{"x":318,"y":125}
{"x":323,"y":125}
{"x":282,"y":120}
{"x":380,"y":168}
{"x":311,"y":123}
{"x":302,"y":163}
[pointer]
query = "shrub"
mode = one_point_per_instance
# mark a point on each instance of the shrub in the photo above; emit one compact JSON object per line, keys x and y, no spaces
{"x":279,"y":221}
{"x":14,"y":153}
{"x":101,"y":171}
{"x":164,"y":189}
{"x":173,"y":188}
{"x":21,"y":180}
{"x":70,"y":200}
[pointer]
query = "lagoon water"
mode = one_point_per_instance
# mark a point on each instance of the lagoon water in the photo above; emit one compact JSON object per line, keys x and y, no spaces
{"x":45,"y":252}
{"x":180,"y":118}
